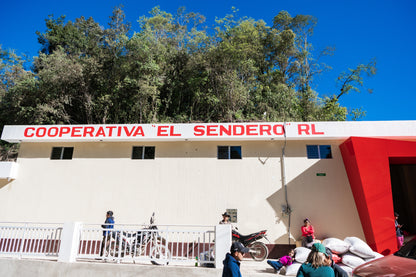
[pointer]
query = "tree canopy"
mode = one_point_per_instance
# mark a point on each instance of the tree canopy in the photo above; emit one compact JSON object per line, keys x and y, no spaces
{"x":173,"y":69}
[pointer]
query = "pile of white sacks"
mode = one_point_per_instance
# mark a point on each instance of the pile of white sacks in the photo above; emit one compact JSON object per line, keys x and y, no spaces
{"x":352,"y":252}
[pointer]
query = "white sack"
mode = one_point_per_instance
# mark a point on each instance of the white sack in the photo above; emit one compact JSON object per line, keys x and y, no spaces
{"x":292,"y":270}
{"x":352,"y":260}
{"x":360,"y":248}
{"x":337,"y":246}
{"x":376,"y":256}
{"x":301,"y":254}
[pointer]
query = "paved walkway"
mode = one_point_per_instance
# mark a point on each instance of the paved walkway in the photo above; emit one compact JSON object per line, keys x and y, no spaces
{"x":250,"y":268}
{"x":29,"y":267}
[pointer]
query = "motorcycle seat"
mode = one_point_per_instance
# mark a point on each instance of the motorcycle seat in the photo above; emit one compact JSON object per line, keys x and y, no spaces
{"x":247,"y":237}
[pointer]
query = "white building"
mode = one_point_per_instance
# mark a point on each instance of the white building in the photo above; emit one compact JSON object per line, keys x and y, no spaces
{"x":333,"y":173}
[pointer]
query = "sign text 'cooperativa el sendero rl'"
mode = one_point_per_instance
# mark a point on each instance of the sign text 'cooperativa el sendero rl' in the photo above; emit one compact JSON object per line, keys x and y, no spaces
{"x":192,"y":131}
{"x":209,"y":131}
{"x":169,"y":130}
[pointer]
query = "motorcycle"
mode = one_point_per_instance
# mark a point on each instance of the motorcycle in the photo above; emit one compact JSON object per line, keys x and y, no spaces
{"x":257,"y":249}
{"x":146,"y":242}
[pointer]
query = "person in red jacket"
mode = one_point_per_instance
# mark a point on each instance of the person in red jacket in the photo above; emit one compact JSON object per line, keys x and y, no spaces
{"x":307,"y":233}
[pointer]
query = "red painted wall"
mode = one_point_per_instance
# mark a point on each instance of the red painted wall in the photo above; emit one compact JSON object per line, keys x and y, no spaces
{"x":366,"y":161}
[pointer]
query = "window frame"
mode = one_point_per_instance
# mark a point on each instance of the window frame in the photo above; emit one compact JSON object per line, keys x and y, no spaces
{"x":65,"y":153}
{"x":144,"y":153}
{"x":230,"y":152}
{"x":320,"y":151}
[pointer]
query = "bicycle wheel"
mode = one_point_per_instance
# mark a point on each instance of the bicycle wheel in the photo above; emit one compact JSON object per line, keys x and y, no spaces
{"x":258,"y":251}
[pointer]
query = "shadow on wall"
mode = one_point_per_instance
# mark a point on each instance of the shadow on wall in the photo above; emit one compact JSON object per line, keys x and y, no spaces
{"x":326,"y":200}
{"x":4,"y":182}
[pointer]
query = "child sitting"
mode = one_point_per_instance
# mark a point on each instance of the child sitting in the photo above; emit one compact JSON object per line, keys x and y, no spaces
{"x":283,"y":261}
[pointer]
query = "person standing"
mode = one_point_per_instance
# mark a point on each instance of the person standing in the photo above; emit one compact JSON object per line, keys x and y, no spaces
{"x":225,"y":219}
{"x":308,"y":233}
{"x":399,"y":232}
{"x":232,"y":260}
{"x":317,"y":264}
{"x":108,"y":224}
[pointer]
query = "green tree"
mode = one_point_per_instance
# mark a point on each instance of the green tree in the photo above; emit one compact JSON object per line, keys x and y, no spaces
{"x":173,"y":69}
{"x":348,"y":81}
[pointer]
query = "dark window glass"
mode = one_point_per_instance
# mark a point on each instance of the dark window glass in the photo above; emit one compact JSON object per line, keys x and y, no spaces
{"x":229,"y":152}
{"x":143,"y":152}
{"x":149,"y":152}
{"x":319,"y":151}
{"x":312,"y":151}
{"x":68,"y":151}
{"x":235,"y":152}
{"x":62,"y":153}
{"x":137,"y":152}
{"x":56,"y":153}
{"x":223,"y":152}
{"x":325,"y":151}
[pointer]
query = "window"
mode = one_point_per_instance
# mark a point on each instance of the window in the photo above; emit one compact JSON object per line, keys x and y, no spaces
{"x":229,"y":152}
{"x":319,"y":151}
{"x":143,"y":153}
{"x":62,"y":153}
{"x":233,"y":215}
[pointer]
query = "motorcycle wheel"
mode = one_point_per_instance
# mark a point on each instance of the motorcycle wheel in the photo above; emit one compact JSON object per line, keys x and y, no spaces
{"x":160,"y":254}
{"x":258,"y":251}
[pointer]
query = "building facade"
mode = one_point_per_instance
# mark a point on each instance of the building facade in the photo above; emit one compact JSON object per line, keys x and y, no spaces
{"x":268,"y":175}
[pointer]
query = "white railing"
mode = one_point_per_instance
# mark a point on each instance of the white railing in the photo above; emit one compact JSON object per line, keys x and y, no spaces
{"x":72,"y":241}
{"x":138,"y":243}
{"x":30,"y":239}
{"x":8,"y":170}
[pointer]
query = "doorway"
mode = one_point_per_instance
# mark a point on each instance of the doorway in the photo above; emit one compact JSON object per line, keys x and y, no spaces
{"x":403,"y":185}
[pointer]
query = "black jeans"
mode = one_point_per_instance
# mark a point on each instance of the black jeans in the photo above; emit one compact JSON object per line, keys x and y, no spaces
{"x":104,"y":243}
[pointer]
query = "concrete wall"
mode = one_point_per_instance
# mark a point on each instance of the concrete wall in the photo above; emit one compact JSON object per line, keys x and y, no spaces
{"x":184,"y":184}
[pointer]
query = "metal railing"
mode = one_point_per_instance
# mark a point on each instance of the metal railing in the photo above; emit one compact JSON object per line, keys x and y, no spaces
{"x":30,"y":239}
{"x":74,"y":241}
{"x":139,"y":243}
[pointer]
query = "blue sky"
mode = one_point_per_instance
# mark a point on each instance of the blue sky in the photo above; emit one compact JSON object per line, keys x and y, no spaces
{"x":359,"y":30}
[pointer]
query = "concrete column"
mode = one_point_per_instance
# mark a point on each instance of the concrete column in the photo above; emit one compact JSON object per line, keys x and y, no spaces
{"x":70,"y":237}
{"x":222,"y":243}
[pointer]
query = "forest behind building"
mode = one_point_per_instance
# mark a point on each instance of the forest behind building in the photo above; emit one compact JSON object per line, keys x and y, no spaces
{"x":174,"y":68}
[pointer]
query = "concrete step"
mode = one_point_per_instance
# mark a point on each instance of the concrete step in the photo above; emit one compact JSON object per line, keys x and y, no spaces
{"x":45,"y":268}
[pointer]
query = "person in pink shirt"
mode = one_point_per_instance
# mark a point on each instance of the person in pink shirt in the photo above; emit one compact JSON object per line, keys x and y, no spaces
{"x":399,"y":232}
{"x":283,"y":261}
{"x":307,"y":233}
